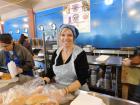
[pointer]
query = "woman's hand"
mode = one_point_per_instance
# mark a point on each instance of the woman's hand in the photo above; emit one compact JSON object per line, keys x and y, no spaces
{"x":46,"y":79}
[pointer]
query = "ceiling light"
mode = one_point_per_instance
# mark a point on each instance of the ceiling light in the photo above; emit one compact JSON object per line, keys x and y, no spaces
{"x":1,"y":22}
{"x":108,"y":2}
{"x":132,"y":12}
{"x":25,"y":19}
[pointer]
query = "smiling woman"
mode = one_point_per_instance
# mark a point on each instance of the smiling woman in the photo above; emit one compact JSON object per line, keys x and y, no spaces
{"x":69,"y":67}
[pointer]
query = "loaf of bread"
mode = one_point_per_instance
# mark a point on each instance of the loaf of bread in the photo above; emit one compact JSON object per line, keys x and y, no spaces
{"x":6,"y":76}
{"x":37,"y":99}
{"x":19,"y":101}
{"x":40,"y":99}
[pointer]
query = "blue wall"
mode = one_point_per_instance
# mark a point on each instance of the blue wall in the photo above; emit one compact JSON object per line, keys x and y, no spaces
{"x":115,"y":28}
{"x":46,"y":17}
{"x":112,"y":26}
{"x":13,"y":25}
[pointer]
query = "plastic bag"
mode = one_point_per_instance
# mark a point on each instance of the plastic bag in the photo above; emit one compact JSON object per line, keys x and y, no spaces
{"x":28,"y":88}
{"x":34,"y":87}
{"x":13,"y":93}
{"x":34,"y":84}
{"x":12,"y":68}
{"x":57,"y":94}
{"x":40,"y":99}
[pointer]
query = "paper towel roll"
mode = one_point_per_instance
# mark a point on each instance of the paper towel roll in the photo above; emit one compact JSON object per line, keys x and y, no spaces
{"x":12,"y":69}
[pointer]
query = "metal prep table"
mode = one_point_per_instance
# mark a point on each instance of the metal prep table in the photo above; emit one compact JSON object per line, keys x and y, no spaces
{"x":21,"y":79}
{"x":108,"y":100}
{"x":111,"y":100}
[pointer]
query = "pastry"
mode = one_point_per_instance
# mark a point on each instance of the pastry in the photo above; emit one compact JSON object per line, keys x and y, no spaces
{"x":19,"y":101}
{"x":6,"y":76}
{"x":37,"y":99}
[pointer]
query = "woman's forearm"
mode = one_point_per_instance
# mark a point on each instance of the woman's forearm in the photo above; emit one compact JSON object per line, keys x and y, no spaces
{"x":72,"y":87}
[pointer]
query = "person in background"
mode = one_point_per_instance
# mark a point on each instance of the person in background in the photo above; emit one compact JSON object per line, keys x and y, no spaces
{"x":134,"y":90}
{"x":135,"y":60}
{"x":69,"y":66}
{"x":23,"y":40}
{"x":10,"y":51}
{"x":132,"y":61}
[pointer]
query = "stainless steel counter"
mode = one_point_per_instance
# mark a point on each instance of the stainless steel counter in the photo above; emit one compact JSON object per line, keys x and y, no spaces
{"x":117,"y":52}
{"x":112,"y":60}
{"x":114,"y":52}
{"x":110,"y":100}
{"x":21,"y":79}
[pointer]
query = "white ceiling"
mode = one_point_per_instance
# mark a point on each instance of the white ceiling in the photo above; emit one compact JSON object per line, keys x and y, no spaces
{"x":14,"y":8}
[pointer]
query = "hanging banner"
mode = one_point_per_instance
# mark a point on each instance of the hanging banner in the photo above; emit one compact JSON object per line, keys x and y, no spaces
{"x":78,"y":14}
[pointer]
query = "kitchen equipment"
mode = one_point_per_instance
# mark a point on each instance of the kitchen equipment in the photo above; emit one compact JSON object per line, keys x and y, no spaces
{"x":88,"y":48}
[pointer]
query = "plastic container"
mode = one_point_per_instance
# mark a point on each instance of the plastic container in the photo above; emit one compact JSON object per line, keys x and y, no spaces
{"x":12,"y":69}
{"x":113,"y":82}
{"x":93,"y":78}
{"x":107,"y":78}
{"x":100,"y":82}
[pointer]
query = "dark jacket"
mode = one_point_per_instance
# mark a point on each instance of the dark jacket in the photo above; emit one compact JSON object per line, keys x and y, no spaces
{"x":25,"y":57}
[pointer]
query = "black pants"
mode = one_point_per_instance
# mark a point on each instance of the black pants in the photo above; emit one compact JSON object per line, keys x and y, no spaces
{"x":134,"y":93}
